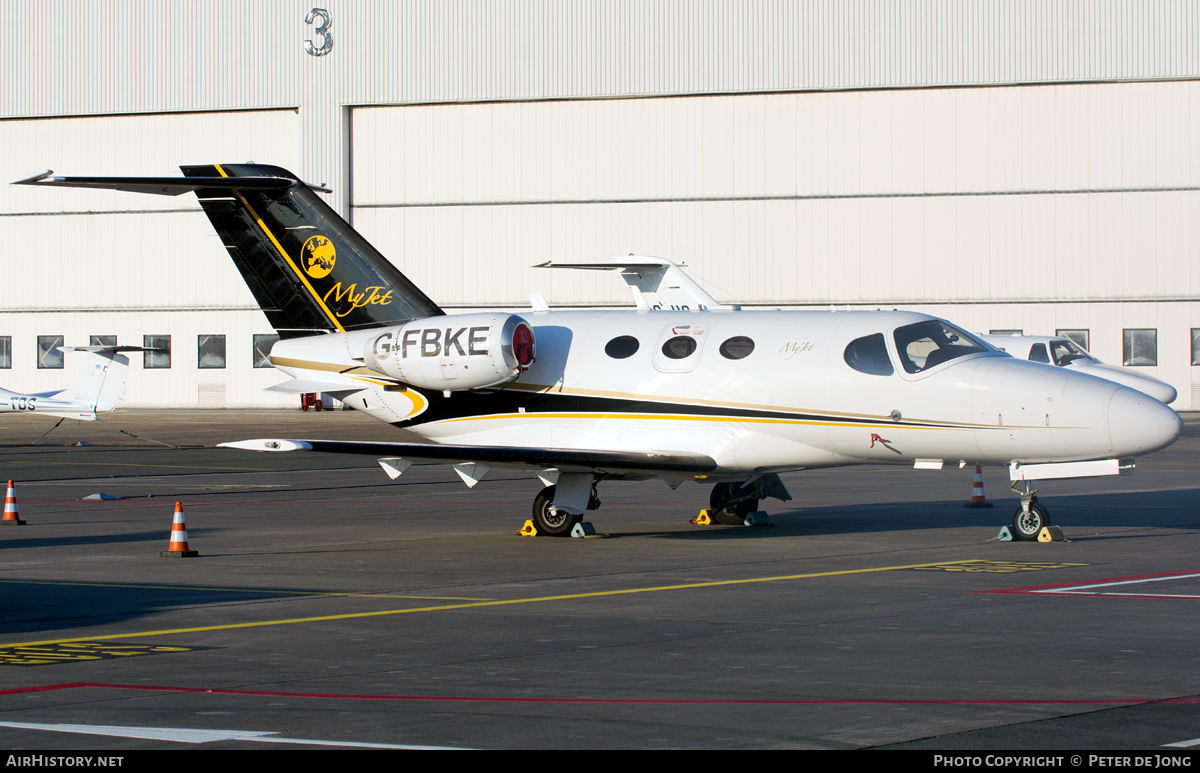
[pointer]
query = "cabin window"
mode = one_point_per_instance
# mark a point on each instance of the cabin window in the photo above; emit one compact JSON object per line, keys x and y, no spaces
{"x":5,"y":352}
{"x":679,"y":347}
{"x":262,"y":349}
{"x":870,"y":355}
{"x":1081,"y":338}
{"x":1038,"y":353}
{"x":621,"y":347}
{"x":211,"y":351}
{"x":737,"y":348}
{"x":48,"y":355}
{"x":1140,"y":347}
{"x":926,"y":345}
{"x":158,"y":359}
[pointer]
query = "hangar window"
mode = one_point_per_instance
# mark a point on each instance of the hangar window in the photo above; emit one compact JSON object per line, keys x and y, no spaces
{"x":1195,"y":346}
{"x":262,"y":349}
{"x":737,"y":348}
{"x":1038,"y":353}
{"x":1008,"y":332}
{"x":5,"y":352}
{"x":158,"y":359}
{"x":1082,"y":338}
{"x":869,"y":355}
{"x":679,"y":347}
{"x":102,"y":340}
{"x":926,"y":345}
{"x":211,"y":351}
{"x":48,"y":355}
{"x":621,"y":347}
{"x":1140,"y":347}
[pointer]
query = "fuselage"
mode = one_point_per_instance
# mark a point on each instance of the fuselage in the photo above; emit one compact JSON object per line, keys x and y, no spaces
{"x":1065,"y":353}
{"x":761,"y":391}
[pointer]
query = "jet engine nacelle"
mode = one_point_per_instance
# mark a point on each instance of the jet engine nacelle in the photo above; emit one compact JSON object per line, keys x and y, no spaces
{"x":463,"y":351}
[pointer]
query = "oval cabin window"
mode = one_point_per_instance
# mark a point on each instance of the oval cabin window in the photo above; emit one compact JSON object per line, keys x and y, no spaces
{"x":737,"y":347}
{"x":621,"y":347}
{"x":869,"y":355}
{"x":679,"y":347}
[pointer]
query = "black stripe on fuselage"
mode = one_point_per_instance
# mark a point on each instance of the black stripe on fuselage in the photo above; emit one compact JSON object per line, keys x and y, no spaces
{"x":465,"y":405}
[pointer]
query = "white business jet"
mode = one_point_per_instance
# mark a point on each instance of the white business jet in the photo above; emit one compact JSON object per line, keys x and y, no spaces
{"x":99,"y":389}
{"x":1065,"y":353}
{"x":680,"y":389}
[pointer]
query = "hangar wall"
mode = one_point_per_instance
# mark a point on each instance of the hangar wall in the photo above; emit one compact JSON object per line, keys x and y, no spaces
{"x":1021,"y":164}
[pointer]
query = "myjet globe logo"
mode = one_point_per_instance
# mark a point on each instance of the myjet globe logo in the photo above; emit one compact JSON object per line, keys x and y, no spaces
{"x":318,"y":256}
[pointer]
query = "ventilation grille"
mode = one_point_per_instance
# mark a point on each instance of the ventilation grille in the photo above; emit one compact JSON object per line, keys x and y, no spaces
{"x":211,"y":395}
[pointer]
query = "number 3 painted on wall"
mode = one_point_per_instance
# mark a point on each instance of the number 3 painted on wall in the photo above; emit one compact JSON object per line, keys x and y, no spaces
{"x":322,"y":30}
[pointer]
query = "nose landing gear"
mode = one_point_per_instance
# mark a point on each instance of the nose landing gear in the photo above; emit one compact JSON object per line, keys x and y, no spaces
{"x":1030,"y":517}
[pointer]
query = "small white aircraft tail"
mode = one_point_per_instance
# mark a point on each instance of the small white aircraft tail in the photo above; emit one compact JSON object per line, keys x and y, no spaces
{"x":656,"y":283}
{"x":100,"y":387}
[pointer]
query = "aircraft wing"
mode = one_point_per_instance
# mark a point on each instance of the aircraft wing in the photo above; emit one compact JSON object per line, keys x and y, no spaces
{"x":562,"y":459}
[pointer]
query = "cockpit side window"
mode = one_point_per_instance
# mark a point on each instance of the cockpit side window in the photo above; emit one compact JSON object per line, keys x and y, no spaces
{"x":924,"y":345}
{"x":1065,"y":352}
{"x":869,"y":355}
{"x":1038,"y":354}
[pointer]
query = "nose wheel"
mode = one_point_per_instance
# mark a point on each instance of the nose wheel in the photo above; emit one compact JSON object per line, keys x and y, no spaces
{"x":1030,"y":517}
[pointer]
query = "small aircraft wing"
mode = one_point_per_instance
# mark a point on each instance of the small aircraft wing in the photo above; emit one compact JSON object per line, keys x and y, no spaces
{"x":561,"y":459}
{"x":656,"y":283}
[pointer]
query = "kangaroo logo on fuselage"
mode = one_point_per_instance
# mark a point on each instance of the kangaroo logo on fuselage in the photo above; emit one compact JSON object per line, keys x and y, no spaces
{"x":318,"y":256}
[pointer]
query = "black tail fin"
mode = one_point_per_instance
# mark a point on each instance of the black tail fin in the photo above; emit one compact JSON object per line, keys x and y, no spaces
{"x":307,"y":268}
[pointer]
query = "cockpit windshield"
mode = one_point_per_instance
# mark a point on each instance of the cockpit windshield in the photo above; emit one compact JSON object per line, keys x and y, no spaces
{"x":925,"y":345}
{"x":1065,"y":352}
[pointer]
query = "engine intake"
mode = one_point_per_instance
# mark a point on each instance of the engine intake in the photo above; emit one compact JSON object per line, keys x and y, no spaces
{"x":453,"y":353}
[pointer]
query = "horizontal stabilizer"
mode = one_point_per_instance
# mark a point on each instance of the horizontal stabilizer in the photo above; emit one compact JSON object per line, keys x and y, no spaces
{"x":161,"y":186}
{"x":300,"y":386}
{"x":525,"y":458}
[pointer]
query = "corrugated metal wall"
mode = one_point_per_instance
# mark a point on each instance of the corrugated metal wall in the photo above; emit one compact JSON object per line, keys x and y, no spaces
{"x":72,"y":57}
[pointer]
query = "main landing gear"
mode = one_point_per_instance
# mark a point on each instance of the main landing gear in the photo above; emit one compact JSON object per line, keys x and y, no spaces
{"x":730,"y":503}
{"x":557,"y":522}
{"x":1030,"y":516}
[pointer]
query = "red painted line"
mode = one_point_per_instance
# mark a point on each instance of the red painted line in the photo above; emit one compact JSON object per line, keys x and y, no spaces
{"x":1031,"y":588}
{"x":646,"y":701}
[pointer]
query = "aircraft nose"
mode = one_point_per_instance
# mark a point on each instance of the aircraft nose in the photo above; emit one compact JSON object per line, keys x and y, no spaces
{"x":1139,"y":424}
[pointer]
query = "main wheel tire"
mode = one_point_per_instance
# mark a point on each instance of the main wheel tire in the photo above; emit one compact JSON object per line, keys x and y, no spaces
{"x":1027,"y":525}
{"x":551,"y":522}
{"x":721,"y":510}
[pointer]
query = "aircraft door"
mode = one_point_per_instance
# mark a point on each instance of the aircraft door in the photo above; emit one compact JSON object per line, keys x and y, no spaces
{"x":679,"y":348}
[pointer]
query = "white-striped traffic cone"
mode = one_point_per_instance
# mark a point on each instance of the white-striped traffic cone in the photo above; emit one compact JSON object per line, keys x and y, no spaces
{"x":977,"y":497}
{"x":179,"y":541}
{"x":11,"y":513}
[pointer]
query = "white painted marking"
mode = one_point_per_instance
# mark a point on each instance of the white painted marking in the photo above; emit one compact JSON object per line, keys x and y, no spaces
{"x":1084,"y":590}
{"x":1184,"y":744}
{"x":198,"y":735}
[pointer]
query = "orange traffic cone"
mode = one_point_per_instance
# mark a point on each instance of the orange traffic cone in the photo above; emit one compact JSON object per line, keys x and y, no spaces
{"x":977,"y":497}
{"x":179,"y":542}
{"x":11,"y":513}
